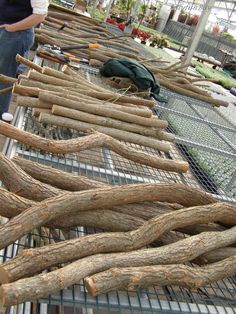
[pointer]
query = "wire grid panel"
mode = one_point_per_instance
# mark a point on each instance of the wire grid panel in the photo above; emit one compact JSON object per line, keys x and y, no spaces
{"x":207,"y":139}
{"x":104,"y":165}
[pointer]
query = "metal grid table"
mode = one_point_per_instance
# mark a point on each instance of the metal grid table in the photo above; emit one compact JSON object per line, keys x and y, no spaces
{"x":104,"y":165}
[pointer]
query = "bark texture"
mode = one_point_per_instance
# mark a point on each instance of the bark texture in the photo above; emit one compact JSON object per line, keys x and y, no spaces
{"x":117,"y":134}
{"x":55,"y":177}
{"x":20,"y":183}
{"x":71,"y":203}
{"x":43,"y":284}
{"x":96,"y":139}
{"x":112,"y":113}
{"x":31,"y":261}
{"x":132,"y":278}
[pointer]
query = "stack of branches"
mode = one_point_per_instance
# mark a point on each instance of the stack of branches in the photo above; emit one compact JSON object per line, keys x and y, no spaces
{"x":141,"y":248}
{"x":174,"y":77}
{"x":68,"y":29}
{"x":66,"y":99}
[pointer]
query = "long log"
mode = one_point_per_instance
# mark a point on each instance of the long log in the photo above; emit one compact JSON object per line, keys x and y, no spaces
{"x":179,"y":252}
{"x":7,"y":79}
{"x":108,"y":122}
{"x":111,"y":132}
{"x":111,"y":220}
{"x":6,"y":90}
{"x":88,"y":142}
{"x":20,"y":183}
{"x":144,"y":111}
{"x":170,"y":85}
{"x":12,"y":205}
{"x":90,"y":108}
{"x":132,"y":278}
{"x":215,"y":255}
{"x":71,"y":203}
{"x":26,"y":101}
{"x":28,"y":63}
{"x":55,"y":177}
{"x":100,"y":95}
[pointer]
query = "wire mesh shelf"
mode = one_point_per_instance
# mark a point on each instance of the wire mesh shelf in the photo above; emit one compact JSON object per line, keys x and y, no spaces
{"x":207,"y":172}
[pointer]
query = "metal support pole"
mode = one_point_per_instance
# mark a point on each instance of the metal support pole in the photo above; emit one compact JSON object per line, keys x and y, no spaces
{"x":135,"y":9}
{"x":198,"y":31}
{"x":108,"y":10}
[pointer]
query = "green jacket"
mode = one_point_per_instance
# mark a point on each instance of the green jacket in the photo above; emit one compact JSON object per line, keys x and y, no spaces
{"x":138,"y":73}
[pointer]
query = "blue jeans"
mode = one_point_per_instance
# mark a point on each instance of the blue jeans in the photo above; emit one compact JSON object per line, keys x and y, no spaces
{"x":11,"y":44}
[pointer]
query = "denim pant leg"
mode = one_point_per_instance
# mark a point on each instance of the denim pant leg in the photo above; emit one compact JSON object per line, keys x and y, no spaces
{"x":12,"y":44}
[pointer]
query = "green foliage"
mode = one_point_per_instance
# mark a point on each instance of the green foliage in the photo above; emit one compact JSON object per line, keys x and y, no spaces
{"x":222,"y":78}
{"x":159,"y":41}
{"x":124,"y":7}
{"x":228,"y":37}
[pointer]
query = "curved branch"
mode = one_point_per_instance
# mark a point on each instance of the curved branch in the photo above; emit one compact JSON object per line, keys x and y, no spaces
{"x":179,"y":252}
{"x":55,"y":177}
{"x":20,"y":183}
{"x":31,"y":262}
{"x":71,"y":203}
{"x":143,"y":277}
{"x":96,"y":139}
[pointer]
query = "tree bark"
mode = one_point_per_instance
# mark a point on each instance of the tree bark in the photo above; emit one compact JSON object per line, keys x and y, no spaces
{"x":215,"y":255}
{"x":112,"y":113}
{"x":179,"y":252}
{"x":87,"y":142}
{"x":37,"y":111}
{"x":12,"y":205}
{"x":109,"y":122}
{"x":20,"y":183}
{"x":71,"y":203}
{"x":132,"y":278}
{"x":28,"y":63}
{"x":55,"y":177}
{"x":116,"y":134}
{"x":7,"y":79}
{"x":27,"y":101}
{"x":100,"y":95}
{"x":130,"y":108}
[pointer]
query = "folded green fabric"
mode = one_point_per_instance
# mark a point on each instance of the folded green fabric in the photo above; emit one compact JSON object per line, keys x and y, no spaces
{"x":142,"y":77}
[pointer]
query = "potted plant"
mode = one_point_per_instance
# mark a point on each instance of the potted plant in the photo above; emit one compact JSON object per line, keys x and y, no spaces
{"x":158,"y":41}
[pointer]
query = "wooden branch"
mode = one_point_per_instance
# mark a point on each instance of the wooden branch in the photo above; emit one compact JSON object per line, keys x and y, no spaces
{"x":105,"y":219}
{"x":37,"y":111}
{"x":144,"y":111}
{"x":109,"y":122}
{"x":71,"y":203}
{"x":28,"y":63}
{"x":113,"y":133}
{"x":88,"y":142}
{"x":7,"y":79}
{"x":132,"y":278}
{"x":6,"y":90}
{"x":90,"y":108}
{"x":12,"y":205}
{"x":182,"y":91}
{"x":55,"y":177}
{"x":20,"y":183}
{"x":26,"y":101}
{"x":215,"y":255}
{"x":41,"y":285}
{"x":25,"y":91}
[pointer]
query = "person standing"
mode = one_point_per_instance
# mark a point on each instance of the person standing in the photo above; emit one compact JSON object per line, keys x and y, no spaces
{"x":17,"y":20}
